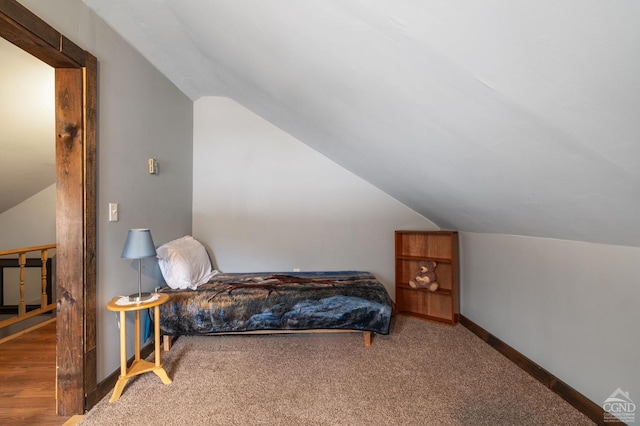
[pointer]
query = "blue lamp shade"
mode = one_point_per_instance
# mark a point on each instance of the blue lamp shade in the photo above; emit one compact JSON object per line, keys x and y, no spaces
{"x":138,"y":245}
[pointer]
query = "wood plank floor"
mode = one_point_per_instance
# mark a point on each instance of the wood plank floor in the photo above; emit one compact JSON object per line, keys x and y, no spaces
{"x":27,"y":374}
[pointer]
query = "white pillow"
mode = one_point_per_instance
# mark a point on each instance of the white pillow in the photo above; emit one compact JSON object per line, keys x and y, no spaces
{"x":184,"y":263}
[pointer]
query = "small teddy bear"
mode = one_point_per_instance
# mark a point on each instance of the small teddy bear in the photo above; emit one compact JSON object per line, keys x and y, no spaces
{"x":425,"y":276}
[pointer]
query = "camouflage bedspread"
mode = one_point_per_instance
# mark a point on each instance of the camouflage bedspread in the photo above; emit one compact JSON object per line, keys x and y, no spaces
{"x":348,"y":300}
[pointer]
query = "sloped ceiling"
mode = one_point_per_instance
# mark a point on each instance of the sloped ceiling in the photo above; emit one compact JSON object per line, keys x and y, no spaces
{"x":27,"y":126}
{"x":516,"y":117}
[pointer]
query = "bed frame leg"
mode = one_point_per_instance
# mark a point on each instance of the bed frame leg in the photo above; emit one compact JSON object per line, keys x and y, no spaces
{"x":367,"y":338}
{"x":166,"y":341}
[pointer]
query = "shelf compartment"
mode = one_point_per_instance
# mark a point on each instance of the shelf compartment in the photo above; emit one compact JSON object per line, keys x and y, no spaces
{"x":435,"y":244}
{"x":407,"y":269}
{"x":423,"y":304}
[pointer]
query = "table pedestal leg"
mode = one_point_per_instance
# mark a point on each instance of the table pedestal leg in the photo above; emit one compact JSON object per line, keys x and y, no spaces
{"x":122,"y":380}
{"x":139,"y":366}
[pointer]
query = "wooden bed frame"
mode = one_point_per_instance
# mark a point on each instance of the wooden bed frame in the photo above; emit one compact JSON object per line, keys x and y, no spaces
{"x":168,"y":340}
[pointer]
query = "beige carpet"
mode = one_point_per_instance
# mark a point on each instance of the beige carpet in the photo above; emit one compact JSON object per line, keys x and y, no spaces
{"x":421,"y":374}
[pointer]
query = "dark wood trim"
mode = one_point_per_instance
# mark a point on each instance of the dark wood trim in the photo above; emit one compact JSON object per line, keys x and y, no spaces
{"x":566,"y":392}
{"x":73,"y":52}
{"x":70,"y":201}
{"x":76,"y":146}
{"x":35,"y":36}
{"x":20,"y":16}
{"x":90,"y":220}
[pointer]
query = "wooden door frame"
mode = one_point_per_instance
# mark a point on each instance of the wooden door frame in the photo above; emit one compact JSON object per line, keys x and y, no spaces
{"x":76,"y":148}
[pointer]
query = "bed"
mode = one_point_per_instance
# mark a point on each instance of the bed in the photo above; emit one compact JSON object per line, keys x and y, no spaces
{"x":269,"y":303}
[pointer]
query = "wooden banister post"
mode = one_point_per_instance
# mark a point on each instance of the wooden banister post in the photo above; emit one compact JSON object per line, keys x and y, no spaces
{"x":22,"y":261}
{"x":43,"y":298}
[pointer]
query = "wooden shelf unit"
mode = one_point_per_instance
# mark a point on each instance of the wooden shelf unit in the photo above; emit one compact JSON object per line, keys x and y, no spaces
{"x":413,"y":247}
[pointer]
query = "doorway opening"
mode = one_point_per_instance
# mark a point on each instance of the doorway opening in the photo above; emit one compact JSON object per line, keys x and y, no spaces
{"x":75,"y":152}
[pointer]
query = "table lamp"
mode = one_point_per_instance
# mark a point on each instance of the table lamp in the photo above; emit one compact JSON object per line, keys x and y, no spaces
{"x":138,"y":245}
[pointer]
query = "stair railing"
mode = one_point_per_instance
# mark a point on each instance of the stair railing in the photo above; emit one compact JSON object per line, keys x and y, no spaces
{"x":44,"y":297}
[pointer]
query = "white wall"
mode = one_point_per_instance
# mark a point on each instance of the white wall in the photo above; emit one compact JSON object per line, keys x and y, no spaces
{"x":140,"y":115}
{"x":264,"y":201}
{"x":30,"y":223}
{"x":571,"y":307}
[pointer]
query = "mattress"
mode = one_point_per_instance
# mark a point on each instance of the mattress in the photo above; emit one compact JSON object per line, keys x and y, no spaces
{"x":237,"y":302}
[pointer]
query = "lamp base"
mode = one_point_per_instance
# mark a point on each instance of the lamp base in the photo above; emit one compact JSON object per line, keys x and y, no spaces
{"x":139,"y":297}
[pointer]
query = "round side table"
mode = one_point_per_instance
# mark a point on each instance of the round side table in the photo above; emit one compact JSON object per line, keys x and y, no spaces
{"x":139,"y":366}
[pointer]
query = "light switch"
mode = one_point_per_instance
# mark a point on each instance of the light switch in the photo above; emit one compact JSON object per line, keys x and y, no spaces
{"x":113,"y":212}
{"x":153,"y":166}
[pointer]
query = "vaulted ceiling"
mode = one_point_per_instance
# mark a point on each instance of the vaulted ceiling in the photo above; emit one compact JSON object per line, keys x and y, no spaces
{"x":516,"y":117}
{"x":27,"y":126}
